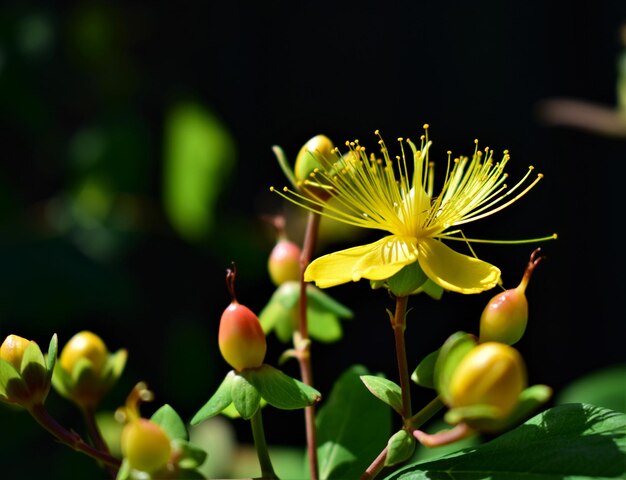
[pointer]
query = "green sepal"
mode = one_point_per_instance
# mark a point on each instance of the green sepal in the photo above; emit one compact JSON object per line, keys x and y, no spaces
{"x":451,"y":353}
{"x":170,"y":422}
{"x":384,"y":390}
{"x":189,"y":456}
{"x":400,"y":448}
{"x":221,"y":399}
{"x":484,"y":418}
{"x":245,"y":396}
{"x":431,"y":289}
{"x":407,"y":281}
{"x":124,"y":472}
{"x":281,"y":390}
{"x":53,"y":349}
{"x":8,"y":375}
{"x":424,"y":373}
{"x":83,"y":382}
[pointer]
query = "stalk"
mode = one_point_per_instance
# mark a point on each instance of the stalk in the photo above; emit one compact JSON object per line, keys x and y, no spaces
{"x":258,"y":434}
{"x":302,"y":343}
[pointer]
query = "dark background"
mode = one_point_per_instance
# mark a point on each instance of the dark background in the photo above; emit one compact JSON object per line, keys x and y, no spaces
{"x":277,"y":73}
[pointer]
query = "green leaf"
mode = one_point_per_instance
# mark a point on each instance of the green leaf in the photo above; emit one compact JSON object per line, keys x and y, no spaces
{"x":452,"y":352}
{"x":323,"y":302}
{"x":407,"y":280}
{"x":171,"y":422}
{"x":190,"y":456}
{"x":323,"y":326}
{"x":399,"y":448}
{"x":218,"y":402}
{"x":353,"y":427}
{"x":124,"y":471}
{"x":199,"y":158}
{"x":246,"y":397}
{"x":424,"y":374}
{"x":603,"y":388}
{"x":280,"y":390}
{"x":574,"y":441}
{"x":384,"y":390}
{"x":431,"y":289}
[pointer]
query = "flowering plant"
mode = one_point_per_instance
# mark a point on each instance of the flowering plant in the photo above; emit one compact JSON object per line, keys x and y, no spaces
{"x":368,"y":425}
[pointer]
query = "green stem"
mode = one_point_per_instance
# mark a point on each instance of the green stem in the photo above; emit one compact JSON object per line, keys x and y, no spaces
{"x":96,"y":437}
{"x":426,"y":413}
{"x":399,"y":326}
{"x":302,"y":343}
{"x":416,"y":421}
{"x":71,"y":439}
{"x":258,"y":434}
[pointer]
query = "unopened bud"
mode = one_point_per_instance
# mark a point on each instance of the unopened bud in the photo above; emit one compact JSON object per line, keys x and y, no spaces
{"x":84,"y":345}
{"x":12,"y":350}
{"x":284,"y":262}
{"x":491,"y":374}
{"x":318,"y":152}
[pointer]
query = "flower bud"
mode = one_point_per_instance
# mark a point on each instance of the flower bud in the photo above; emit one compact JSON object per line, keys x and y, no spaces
{"x":241,"y":339}
{"x":505,"y":317}
{"x":12,"y":350}
{"x":145,"y":445}
{"x":86,"y":369}
{"x":84,"y":345}
{"x":26,"y":382}
{"x":491,"y":374}
{"x":318,"y":152}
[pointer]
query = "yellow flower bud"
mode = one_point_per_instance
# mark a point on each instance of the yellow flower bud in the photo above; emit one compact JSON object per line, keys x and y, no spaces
{"x":318,"y":152}
{"x":491,"y":374}
{"x":145,"y":445}
{"x":85,"y":345}
{"x":12,"y":350}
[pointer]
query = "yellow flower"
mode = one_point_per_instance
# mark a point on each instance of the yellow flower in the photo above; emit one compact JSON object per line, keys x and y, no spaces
{"x":384,"y":194}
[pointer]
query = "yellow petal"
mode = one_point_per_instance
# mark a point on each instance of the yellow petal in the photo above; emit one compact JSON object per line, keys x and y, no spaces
{"x":375,"y":261}
{"x":455,"y":271}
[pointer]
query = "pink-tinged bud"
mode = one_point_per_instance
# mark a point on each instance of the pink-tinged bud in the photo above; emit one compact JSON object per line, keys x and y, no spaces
{"x":491,"y":374}
{"x":284,"y":260}
{"x":12,"y":350}
{"x":241,"y":338}
{"x":145,"y":445}
{"x":505,"y":317}
{"x":84,"y":345}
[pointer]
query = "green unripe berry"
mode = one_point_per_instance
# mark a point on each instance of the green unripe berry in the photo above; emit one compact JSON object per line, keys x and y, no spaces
{"x":145,"y":445}
{"x":490,"y":374}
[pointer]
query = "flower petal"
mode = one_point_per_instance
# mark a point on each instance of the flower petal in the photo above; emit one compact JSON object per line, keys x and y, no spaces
{"x":375,"y":261}
{"x":455,"y":271}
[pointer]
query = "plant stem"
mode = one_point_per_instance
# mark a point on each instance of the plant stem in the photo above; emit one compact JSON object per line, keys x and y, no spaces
{"x":96,"y":437}
{"x":71,"y":439}
{"x":426,"y":413}
{"x":415,"y":421}
{"x":399,"y":326}
{"x":302,"y":343}
{"x":258,"y":434}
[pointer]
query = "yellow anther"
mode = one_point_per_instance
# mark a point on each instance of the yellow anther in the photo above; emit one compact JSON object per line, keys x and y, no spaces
{"x":426,"y":126}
